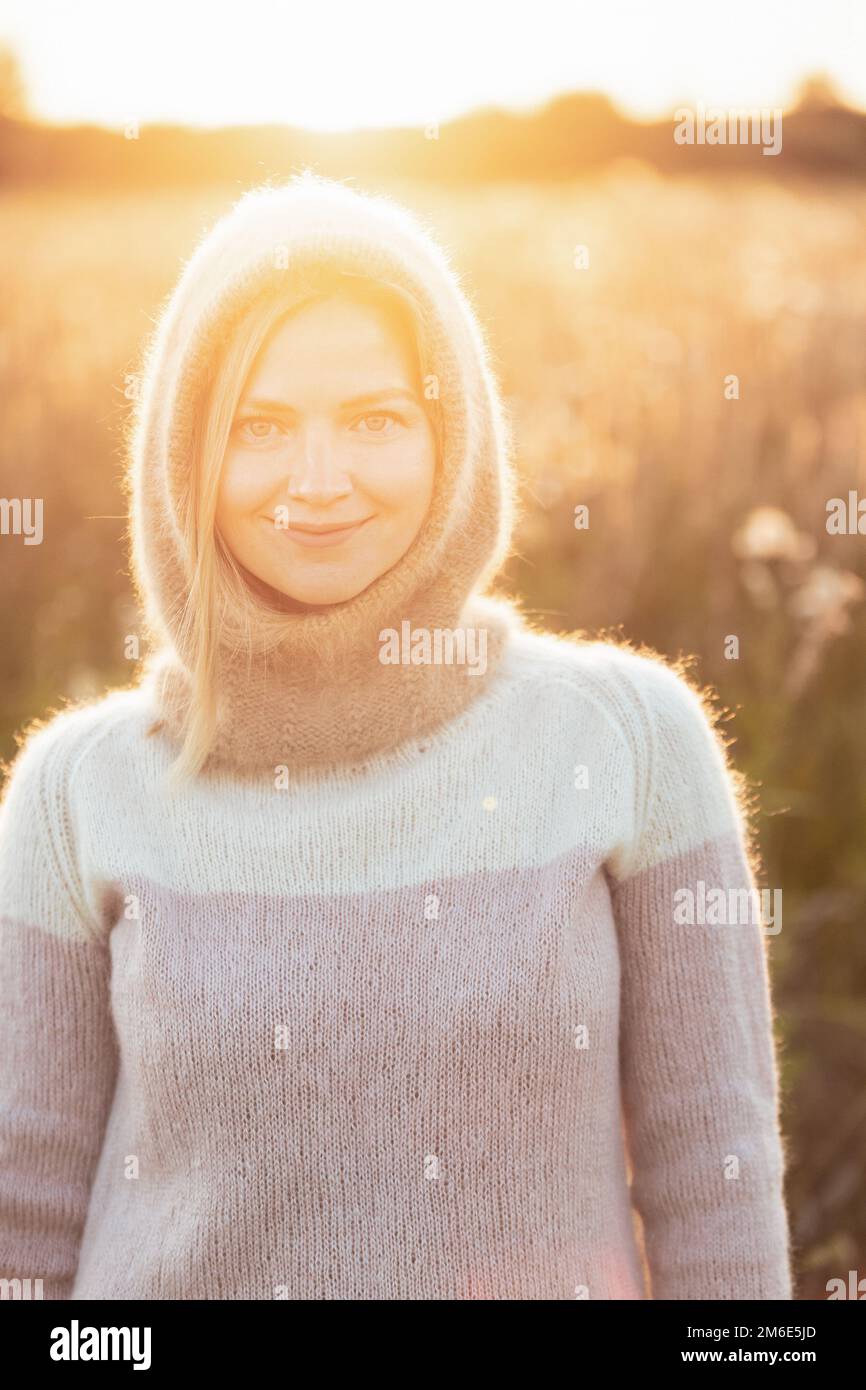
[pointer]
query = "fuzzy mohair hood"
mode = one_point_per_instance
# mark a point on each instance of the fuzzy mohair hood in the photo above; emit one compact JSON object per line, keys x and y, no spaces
{"x":323,"y":695}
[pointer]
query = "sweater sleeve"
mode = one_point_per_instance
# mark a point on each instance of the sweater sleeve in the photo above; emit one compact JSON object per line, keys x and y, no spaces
{"x":697,"y":1052}
{"x":58,"y":1056}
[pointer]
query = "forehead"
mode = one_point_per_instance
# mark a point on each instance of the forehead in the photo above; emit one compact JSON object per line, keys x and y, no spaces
{"x":334,"y":338}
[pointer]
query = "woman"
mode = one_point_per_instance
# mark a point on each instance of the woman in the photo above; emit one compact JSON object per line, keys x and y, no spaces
{"x":339,"y":953}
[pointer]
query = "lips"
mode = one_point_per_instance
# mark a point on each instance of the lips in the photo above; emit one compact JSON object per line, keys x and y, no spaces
{"x":312,"y":529}
{"x":324,"y":534}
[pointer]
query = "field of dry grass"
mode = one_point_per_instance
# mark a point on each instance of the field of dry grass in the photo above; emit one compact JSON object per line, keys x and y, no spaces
{"x":706,"y":514}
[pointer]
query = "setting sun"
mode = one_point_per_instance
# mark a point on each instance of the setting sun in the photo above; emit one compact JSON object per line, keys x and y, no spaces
{"x":333,"y":66}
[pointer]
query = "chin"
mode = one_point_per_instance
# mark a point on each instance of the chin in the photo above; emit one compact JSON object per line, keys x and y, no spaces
{"x":299,"y":597}
{"x":311,"y":591}
{"x":315,"y":597}
{"x":317,"y":594}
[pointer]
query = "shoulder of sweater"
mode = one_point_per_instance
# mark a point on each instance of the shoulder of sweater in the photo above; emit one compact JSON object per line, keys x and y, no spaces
{"x":644,"y":693}
{"x":39,"y":872}
{"x":54,"y":744}
{"x":685,"y":786}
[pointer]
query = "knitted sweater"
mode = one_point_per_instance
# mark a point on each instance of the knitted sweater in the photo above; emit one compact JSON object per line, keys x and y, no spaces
{"x":394,"y":1031}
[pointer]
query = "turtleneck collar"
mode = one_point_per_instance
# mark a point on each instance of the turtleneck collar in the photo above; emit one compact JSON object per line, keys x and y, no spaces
{"x":330,"y":685}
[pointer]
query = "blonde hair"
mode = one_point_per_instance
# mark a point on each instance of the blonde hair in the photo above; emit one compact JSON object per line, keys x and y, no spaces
{"x":216,"y":585}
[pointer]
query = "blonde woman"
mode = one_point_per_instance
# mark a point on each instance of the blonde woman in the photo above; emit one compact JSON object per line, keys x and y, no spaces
{"x":342,"y":954}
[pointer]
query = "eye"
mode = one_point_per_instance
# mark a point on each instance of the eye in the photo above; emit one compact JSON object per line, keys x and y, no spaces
{"x":379,"y":424}
{"x":256,"y":427}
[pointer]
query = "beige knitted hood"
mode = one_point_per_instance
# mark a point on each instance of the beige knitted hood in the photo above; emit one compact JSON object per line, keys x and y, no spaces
{"x":322,"y":694}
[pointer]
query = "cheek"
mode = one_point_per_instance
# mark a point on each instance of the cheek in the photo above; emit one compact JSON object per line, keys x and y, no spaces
{"x":403,"y":486}
{"x":243,"y":488}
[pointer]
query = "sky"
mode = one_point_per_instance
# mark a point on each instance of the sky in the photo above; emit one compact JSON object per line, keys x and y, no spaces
{"x":362,"y":63}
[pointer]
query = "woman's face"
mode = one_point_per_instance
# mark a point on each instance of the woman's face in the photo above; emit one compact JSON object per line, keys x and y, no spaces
{"x":329,"y":469}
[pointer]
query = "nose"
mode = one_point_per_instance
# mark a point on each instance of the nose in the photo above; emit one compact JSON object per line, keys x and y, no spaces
{"x":316,"y":474}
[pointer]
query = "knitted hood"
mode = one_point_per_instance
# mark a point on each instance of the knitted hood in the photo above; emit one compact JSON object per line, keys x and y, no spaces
{"x":322,"y":693}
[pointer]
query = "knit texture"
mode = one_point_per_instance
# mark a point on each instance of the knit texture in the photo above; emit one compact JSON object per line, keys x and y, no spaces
{"x":401,"y":1030}
{"x":322,"y":693}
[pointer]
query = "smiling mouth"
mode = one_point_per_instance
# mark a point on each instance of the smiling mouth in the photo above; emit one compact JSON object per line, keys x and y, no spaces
{"x":322,"y":533}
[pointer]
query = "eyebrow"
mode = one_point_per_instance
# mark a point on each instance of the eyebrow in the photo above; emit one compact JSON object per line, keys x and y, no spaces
{"x":388,"y":393}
